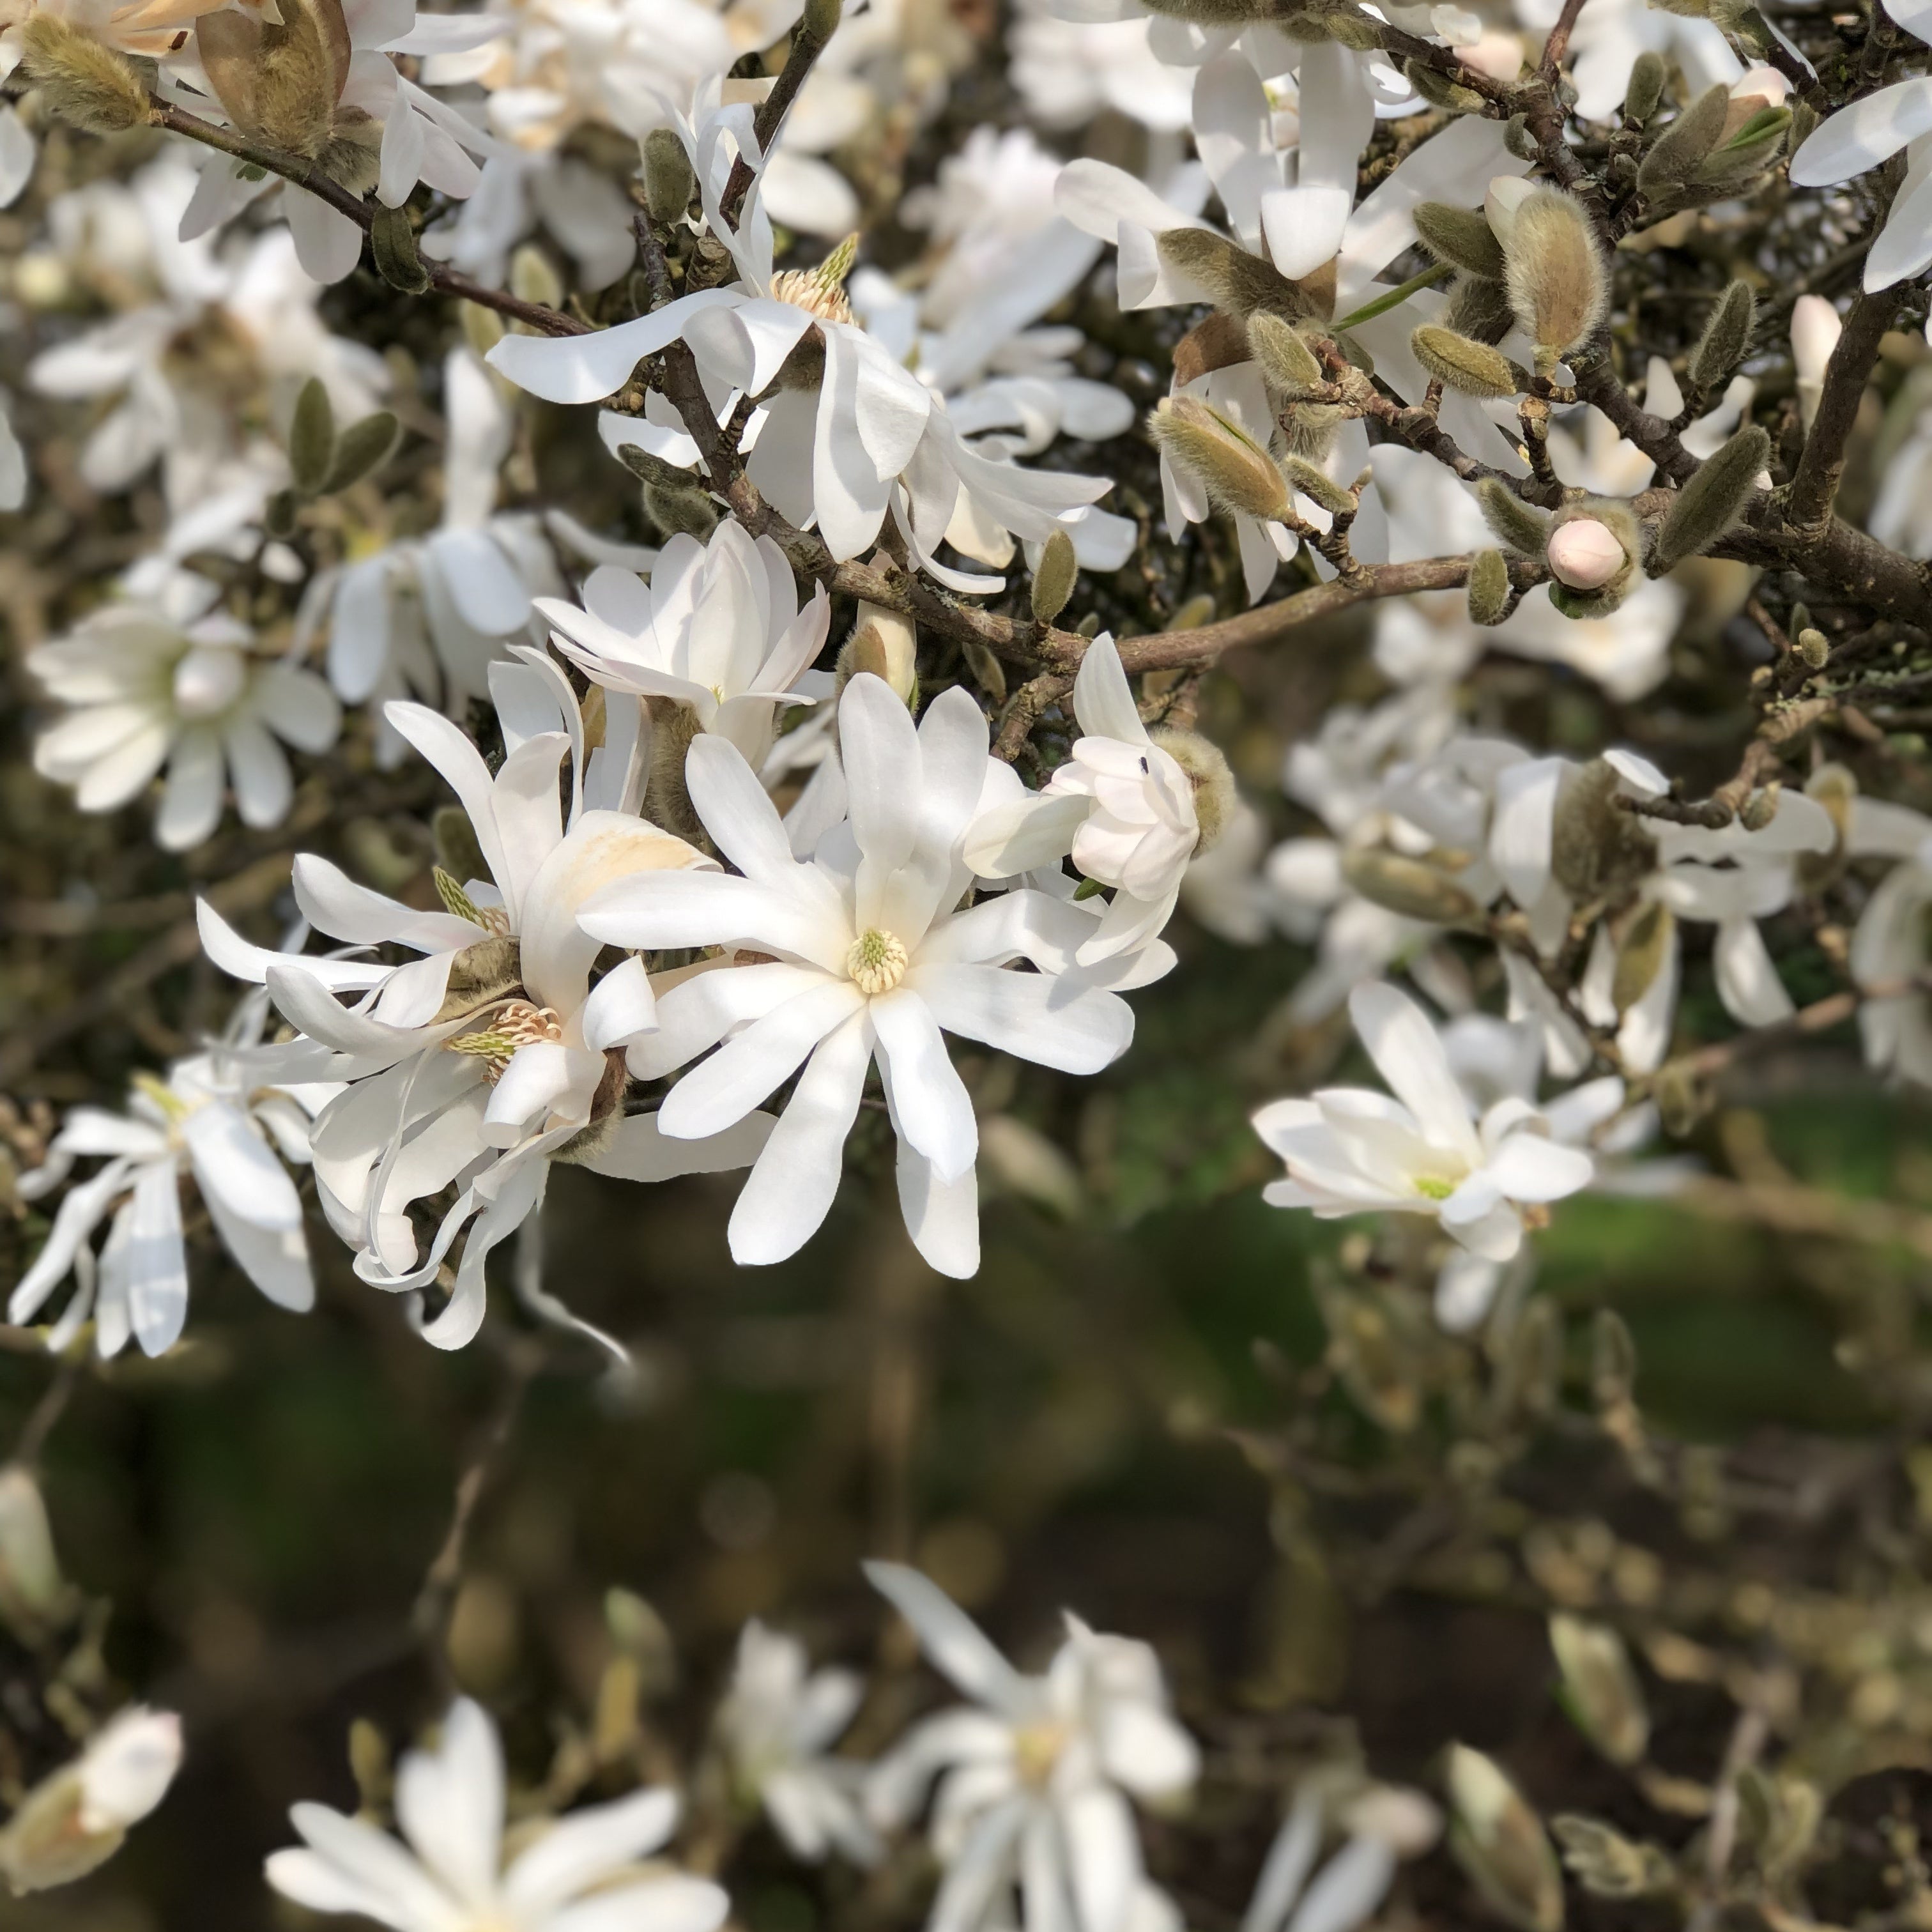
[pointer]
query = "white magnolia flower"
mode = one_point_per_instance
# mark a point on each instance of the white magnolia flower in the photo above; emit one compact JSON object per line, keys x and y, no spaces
{"x":423,"y":138}
{"x":208,"y":1120}
{"x":1068,"y":71}
{"x":1892,"y":946}
{"x":1497,"y":1059}
{"x":1611,"y":33}
{"x":174,"y":681}
{"x":1868,"y":133}
{"x":716,"y":629}
{"x":478,"y":1064}
{"x":1730,"y":878}
{"x":1349,"y":1150}
{"x":847,"y":435}
{"x":778,"y":1723}
{"x":1902,"y":517}
{"x":1380,"y":1825}
{"x":1036,"y":1777}
{"x":1122,"y":805}
{"x":428,"y":617}
{"x":586,"y":1872}
{"x":78,"y":1818}
{"x":866,"y":958}
{"x":1815,"y":330}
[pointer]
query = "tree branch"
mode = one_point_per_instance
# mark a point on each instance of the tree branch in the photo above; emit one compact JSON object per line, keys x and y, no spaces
{"x":307,"y":176}
{"x":1823,"y":465}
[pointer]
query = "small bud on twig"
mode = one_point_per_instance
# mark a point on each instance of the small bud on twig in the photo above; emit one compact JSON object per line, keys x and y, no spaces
{"x":82,"y":81}
{"x":1677,"y":153}
{"x":1286,"y":360}
{"x":1461,"y":237}
{"x":669,"y":183}
{"x":1645,"y":89}
{"x":1488,"y":587}
{"x":1710,"y":501}
{"x":1235,"y":471}
{"x":311,"y":438}
{"x":1053,"y":577}
{"x":1472,"y":368}
{"x":1518,"y":526}
{"x":392,"y":242}
{"x":1726,"y":336}
{"x":1556,"y":282}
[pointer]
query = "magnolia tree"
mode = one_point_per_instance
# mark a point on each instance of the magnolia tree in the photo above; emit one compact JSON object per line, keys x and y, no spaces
{"x":688,"y":590}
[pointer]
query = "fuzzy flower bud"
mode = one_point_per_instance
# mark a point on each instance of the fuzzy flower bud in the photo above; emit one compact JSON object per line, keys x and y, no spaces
{"x":1488,"y":587}
{"x":1208,"y":772}
{"x":1594,"y":553}
{"x":1460,"y":237}
{"x":886,"y":644}
{"x":31,"y":1588}
{"x":1237,"y":473}
{"x":1411,"y":887}
{"x":1814,"y":649}
{"x":1677,"y":154}
{"x":1470,"y":368}
{"x":1712,"y":499}
{"x":1500,"y":1842}
{"x":1235,"y":280}
{"x":1518,"y":526}
{"x":1726,"y":336}
{"x":1053,"y":578}
{"x":83,"y":82}
{"x":1286,"y":360}
{"x":1556,"y":281}
{"x":669,"y":183}
{"x":75,"y":1820}
{"x":1645,"y":89}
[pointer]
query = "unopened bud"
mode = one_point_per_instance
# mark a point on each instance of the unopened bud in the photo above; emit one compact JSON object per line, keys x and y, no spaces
{"x":1556,"y":281}
{"x":533,"y":278}
{"x":482,"y":328}
{"x":369,"y":1764}
{"x":1499,"y":1841}
{"x":1612,"y":1359}
{"x":1337,"y":499}
{"x":1470,"y":368}
{"x":1208,"y":771}
{"x":75,"y":1820}
{"x":1749,"y":152}
{"x":1600,"y":1689}
{"x":886,"y":644}
{"x":1053,"y":577}
{"x":1286,"y":359}
{"x":1641,"y":954}
{"x":682,"y":510}
{"x":1478,"y":308}
{"x":392,"y":242}
{"x":1585,"y":554}
{"x":1461,"y":237}
{"x":1645,"y":89}
{"x":1518,"y":526}
{"x":669,"y":183}
{"x":1725,"y":337}
{"x":1814,"y":649}
{"x":31,"y":1589}
{"x":988,"y":671}
{"x":820,"y":19}
{"x":1760,"y":809}
{"x":1348,"y":28}
{"x":1595,"y":846}
{"x":640,"y":1633}
{"x":1518,"y":139}
{"x":1440,"y":91}
{"x":1677,"y":154}
{"x":1711,"y":499}
{"x":1410,"y":886}
{"x":1237,"y":473}
{"x":1234,"y":281}
{"x":1609,"y":1864}
{"x":1488,"y":587}
{"x":362,"y":448}
{"x":311,"y":438}
{"x":81,"y":81}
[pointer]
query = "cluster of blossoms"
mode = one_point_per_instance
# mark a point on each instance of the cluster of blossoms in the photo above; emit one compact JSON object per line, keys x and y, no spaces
{"x":715,"y":883}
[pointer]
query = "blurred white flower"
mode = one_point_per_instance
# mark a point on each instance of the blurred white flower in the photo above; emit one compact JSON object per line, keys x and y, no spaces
{"x":206,"y":1119}
{"x":587,"y":1870}
{"x":1380,"y":1825}
{"x":1350,"y":1151}
{"x":173,"y":681}
{"x":778,"y":1722}
{"x":1036,"y":1777}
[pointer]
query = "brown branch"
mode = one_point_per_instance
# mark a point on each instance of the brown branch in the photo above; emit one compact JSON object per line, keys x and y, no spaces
{"x":308,"y":175}
{"x":808,"y":42}
{"x":1557,"y":44}
{"x":1808,"y":507}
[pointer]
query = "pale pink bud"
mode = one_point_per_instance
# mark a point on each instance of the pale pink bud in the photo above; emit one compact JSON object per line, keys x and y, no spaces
{"x":1585,"y":554}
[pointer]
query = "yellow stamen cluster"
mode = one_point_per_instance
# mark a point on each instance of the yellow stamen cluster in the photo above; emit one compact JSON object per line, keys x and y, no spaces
{"x":876,"y":962}
{"x":514,"y":1024}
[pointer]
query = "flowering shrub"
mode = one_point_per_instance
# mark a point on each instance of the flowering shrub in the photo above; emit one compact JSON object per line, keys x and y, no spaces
{"x":711,"y":688}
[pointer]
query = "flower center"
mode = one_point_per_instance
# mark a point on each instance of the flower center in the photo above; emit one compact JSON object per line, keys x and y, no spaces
{"x":876,"y":962}
{"x":1037,"y":1749}
{"x":802,"y":289}
{"x":1434,"y":1189}
{"x":515,"y":1024}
